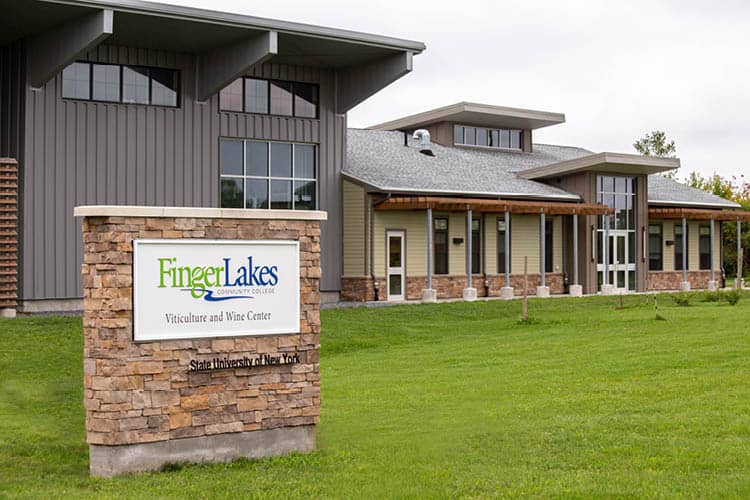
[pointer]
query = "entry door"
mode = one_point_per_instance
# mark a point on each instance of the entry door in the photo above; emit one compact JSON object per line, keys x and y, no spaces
{"x":621,"y":260}
{"x":395,"y":259}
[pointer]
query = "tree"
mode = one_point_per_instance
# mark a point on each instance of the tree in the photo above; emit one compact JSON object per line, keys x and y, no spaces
{"x":656,"y":144}
{"x":737,"y":190}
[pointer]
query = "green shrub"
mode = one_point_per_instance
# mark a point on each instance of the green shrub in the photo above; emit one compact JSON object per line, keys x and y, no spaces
{"x":682,"y":299}
{"x":712,"y":296}
{"x":732,"y":296}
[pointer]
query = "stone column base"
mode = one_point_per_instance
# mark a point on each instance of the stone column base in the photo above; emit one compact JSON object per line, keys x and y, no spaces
{"x":739,"y":284}
{"x":429,"y":295}
{"x":685,"y":286}
{"x":8,"y":313}
{"x":507,"y":292}
{"x":712,"y":286}
{"x":576,"y":290}
{"x":108,"y":461}
{"x":470,"y":294}
{"x":608,"y":290}
{"x":542,"y":291}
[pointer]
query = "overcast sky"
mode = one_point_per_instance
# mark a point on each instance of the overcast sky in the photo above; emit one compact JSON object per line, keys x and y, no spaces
{"x":616,"y":69}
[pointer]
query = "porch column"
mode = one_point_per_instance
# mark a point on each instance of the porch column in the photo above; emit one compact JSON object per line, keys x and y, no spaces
{"x":738,"y":282}
{"x":507,"y":291}
{"x":575,"y":289}
{"x":685,"y":285}
{"x":712,"y":285}
{"x":469,"y":293}
{"x":607,"y":289}
{"x":429,"y":294}
{"x":542,"y":290}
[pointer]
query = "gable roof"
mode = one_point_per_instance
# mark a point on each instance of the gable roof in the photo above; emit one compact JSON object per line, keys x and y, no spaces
{"x":668,"y":192}
{"x":379,"y":159}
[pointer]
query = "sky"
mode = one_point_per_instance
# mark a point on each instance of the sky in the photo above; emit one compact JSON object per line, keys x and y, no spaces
{"x":616,"y":69}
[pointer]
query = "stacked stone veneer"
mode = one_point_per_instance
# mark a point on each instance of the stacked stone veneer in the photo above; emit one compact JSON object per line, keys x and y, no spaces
{"x":143,"y":392}
{"x":360,"y":289}
{"x":671,"y":280}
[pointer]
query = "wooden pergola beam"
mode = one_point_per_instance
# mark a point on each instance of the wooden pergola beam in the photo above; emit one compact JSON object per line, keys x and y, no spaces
{"x":484,"y":205}
{"x":698,"y":214}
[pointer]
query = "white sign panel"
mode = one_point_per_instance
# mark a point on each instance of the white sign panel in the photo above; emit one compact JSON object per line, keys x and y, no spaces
{"x":184,"y":289}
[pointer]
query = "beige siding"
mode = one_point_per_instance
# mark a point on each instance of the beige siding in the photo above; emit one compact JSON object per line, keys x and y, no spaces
{"x":457,"y":253}
{"x":414,"y":225}
{"x":668,"y":251}
{"x":354,"y":229}
{"x":490,"y":238}
{"x":524,"y":242}
{"x":717,"y":246}
{"x":557,"y":245}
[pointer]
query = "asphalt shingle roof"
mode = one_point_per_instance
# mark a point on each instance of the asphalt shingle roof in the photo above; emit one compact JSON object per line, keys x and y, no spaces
{"x":665,"y":191}
{"x":380,"y":159}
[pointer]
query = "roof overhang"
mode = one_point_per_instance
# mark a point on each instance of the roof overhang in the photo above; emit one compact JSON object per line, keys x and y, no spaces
{"x":484,"y":115}
{"x":694,"y":204}
{"x":616,"y":163}
{"x":483,"y":205}
{"x":698,"y":214}
{"x":565,"y":197}
{"x":227,"y":45}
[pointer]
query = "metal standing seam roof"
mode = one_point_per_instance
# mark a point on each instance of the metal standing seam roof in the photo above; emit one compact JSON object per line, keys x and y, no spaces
{"x":379,"y":159}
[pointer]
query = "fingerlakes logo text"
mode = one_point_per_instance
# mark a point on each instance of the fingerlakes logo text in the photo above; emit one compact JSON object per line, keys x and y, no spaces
{"x":227,"y":281}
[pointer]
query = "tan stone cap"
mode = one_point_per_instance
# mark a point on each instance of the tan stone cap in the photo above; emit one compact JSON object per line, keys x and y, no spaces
{"x":196,"y":212}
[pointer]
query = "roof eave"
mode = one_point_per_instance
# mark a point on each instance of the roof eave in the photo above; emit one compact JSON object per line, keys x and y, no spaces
{"x":627,"y":163}
{"x":675,"y":203}
{"x":198,"y":15}
{"x":402,"y":190}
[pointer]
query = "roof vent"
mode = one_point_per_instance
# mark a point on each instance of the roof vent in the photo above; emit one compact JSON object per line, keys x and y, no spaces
{"x":425,"y":146}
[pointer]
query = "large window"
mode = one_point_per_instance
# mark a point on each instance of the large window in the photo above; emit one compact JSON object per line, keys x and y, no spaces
{"x":121,"y":84}
{"x":278,"y":175}
{"x":487,"y":137}
{"x":476,"y":246}
{"x":618,"y":241}
{"x":501,"y":249}
{"x":548,"y":248}
{"x":253,"y":95}
{"x":655,"y":248}
{"x":704,"y":246}
{"x":440,"y":243}
{"x":678,"y":247}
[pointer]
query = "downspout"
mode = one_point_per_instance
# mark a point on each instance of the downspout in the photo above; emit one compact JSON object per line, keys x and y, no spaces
{"x":372,"y":243}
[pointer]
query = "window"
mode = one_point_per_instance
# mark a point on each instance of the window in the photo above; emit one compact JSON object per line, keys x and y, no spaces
{"x":487,"y":137}
{"x":259,"y":174}
{"x":476,"y":246}
{"x":106,"y":82}
{"x":77,"y":81}
{"x":655,"y":248}
{"x":548,"y":242}
{"x":704,"y":246}
{"x":122,"y":84}
{"x":440,"y":242}
{"x":501,"y":249}
{"x":253,"y":95}
{"x":678,"y":247}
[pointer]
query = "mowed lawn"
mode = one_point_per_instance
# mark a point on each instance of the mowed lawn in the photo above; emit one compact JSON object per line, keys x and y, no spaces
{"x":446,"y":400}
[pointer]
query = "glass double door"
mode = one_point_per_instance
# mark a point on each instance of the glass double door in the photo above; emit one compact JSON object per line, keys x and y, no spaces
{"x":620,"y":255}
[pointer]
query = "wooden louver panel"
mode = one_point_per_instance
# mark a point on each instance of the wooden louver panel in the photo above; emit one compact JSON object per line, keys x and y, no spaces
{"x":8,"y":233}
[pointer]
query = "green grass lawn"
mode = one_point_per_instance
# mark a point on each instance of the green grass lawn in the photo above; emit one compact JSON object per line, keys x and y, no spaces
{"x":442,"y":401}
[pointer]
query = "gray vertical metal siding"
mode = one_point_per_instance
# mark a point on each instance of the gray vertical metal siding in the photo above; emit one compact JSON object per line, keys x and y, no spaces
{"x":80,"y":153}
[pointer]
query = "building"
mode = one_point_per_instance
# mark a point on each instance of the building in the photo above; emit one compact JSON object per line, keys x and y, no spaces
{"x":485,"y":203}
{"x":125,"y":102}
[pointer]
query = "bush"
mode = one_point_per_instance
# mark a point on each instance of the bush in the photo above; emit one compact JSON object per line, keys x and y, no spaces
{"x":712,"y":296}
{"x":682,"y":299}
{"x":732,"y":296}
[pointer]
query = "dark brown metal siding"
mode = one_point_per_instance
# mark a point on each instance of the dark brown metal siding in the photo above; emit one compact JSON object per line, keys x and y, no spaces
{"x":80,"y":153}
